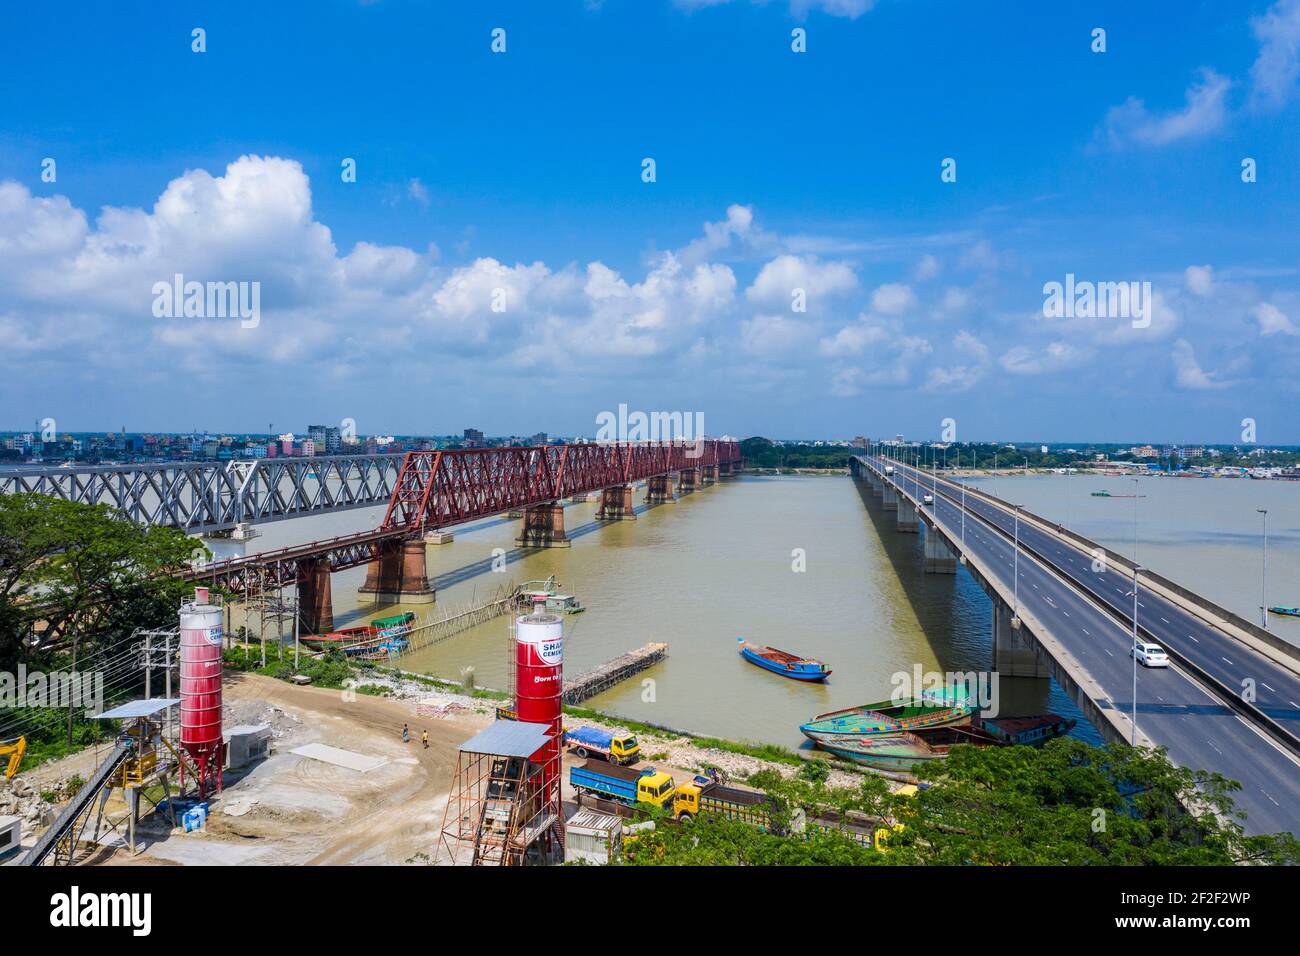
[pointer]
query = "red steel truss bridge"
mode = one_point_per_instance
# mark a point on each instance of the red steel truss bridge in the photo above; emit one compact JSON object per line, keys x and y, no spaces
{"x":437,"y":490}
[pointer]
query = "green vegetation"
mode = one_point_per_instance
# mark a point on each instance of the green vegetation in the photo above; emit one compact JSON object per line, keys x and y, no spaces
{"x":770,"y":752}
{"x":1065,"y":804}
{"x":332,"y":670}
{"x":762,"y":453}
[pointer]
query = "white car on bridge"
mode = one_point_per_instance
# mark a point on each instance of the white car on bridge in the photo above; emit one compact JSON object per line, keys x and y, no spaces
{"x":927,"y":499}
{"x":1149,"y":655}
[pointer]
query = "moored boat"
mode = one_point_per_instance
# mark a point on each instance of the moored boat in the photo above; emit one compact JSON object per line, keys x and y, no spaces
{"x":936,"y":709}
{"x":1283,"y":609}
{"x":905,"y":750}
{"x":783,"y":662}
{"x":1031,"y":731}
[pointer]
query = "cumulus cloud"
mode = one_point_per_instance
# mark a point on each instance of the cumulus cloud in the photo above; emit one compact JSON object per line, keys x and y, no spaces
{"x":1055,"y":356}
{"x":1273,"y":321}
{"x":1204,"y":112}
{"x":777,"y":280}
{"x":1276,"y":69}
{"x":1188,"y":372}
{"x":893,"y":298}
{"x":965,"y":374}
{"x":1199,"y":279}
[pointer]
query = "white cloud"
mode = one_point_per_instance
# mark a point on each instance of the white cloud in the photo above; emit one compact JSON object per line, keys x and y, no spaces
{"x":1275,"y":71}
{"x":419,"y":192}
{"x":777,"y":279}
{"x":926,"y":269}
{"x":960,"y":377}
{"x":851,"y":9}
{"x":1188,"y":372}
{"x":1273,"y":320}
{"x":893,"y":298}
{"x":775,"y":336}
{"x":1205,"y":111}
{"x":1199,"y":279}
{"x":1022,"y":360}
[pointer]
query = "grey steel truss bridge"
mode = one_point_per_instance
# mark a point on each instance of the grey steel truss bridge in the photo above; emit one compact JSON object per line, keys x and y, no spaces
{"x":203,"y":497}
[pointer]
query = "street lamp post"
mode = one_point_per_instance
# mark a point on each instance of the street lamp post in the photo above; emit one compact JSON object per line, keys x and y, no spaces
{"x":1015,"y":569}
{"x":1133,"y":719}
{"x":1263,"y":585}
{"x":1135,"y":520}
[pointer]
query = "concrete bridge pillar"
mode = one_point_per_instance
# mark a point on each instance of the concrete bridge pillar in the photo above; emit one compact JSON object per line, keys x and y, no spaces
{"x":939,"y":557}
{"x":1014,"y":652}
{"x":710,"y":474}
{"x":889,"y":498}
{"x":543,"y":527}
{"x":398,"y":575}
{"x":908,"y":521}
{"x":616,"y":504}
{"x":659,"y":490}
{"x":315,"y":600}
{"x":686,"y":479}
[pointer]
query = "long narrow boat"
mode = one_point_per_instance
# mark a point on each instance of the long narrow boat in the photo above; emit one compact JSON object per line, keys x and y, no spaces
{"x":904,"y":751}
{"x":346,"y":636}
{"x":783,"y":662}
{"x":940,"y":709}
{"x":1283,"y":609}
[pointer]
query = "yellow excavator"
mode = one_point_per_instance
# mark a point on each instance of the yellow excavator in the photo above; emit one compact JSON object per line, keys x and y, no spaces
{"x":14,"y":752}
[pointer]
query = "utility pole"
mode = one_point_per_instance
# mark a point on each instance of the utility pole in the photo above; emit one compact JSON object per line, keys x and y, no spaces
{"x":1263,"y":586}
{"x":1015,"y":569}
{"x":1135,"y":521}
{"x":1133,"y":719}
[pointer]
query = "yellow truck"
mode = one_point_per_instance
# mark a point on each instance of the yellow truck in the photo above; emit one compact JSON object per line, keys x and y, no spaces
{"x":624,"y":784}
{"x":620,"y":748}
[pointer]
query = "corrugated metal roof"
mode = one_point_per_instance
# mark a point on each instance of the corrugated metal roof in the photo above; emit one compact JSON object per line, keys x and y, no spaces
{"x":589,"y":819}
{"x":138,"y":708}
{"x":508,"y":738}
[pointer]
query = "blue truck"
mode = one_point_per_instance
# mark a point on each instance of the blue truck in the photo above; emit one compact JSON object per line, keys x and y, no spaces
{"x":624,"y":784}
{"x":620,"y":748}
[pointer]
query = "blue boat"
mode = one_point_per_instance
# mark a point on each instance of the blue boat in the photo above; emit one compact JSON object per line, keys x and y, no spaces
{"x":783,"y":662}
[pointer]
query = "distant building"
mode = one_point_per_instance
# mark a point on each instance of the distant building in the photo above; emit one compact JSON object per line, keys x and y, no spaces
{"x":308,"y":448}
{"x":473,"y":435}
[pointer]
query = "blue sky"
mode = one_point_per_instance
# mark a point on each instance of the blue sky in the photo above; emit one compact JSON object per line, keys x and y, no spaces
{"x":775,"y":171}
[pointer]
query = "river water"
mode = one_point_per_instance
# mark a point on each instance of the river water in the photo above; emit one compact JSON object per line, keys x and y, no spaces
{"x":698,"y":573}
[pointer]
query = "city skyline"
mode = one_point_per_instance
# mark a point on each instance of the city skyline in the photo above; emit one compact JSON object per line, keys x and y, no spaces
{"x":918,"y":298}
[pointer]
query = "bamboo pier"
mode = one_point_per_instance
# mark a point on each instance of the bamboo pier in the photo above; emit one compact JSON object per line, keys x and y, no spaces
{"x":601,"y":678}
{"x":426,"y":634}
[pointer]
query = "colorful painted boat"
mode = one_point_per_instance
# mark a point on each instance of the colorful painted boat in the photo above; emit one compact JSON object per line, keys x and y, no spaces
{"x":1282,"y":609}
{"x":1030,"y":731}
{"x":394,"y":623}
{"x":936,"y":709}
{"x":905,"y":751}
{"x":348,"y":635}
{"x":783,"y":662}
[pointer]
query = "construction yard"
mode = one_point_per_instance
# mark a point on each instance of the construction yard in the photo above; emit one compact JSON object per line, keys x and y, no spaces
{"x":359,"y":795}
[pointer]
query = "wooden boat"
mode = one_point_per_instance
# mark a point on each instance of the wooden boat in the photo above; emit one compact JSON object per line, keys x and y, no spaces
{"x":1283,"y":609}
{"x":940,"y":709}
{"x":783,"y":662}
{"x":904,"y":751}
{"x":1032,"y":731}
{"x":348,"y":635}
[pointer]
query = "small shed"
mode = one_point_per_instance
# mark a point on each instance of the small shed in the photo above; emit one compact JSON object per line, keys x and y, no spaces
{"x":592,"y":837}
{"x":246,"y":744}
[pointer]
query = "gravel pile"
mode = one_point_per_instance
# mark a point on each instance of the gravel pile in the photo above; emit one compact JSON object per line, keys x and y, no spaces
{"x":20,"y":799}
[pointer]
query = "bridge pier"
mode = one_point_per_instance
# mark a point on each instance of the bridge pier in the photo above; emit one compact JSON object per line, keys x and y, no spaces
{"x":398,"y":575}
{"x":889,"y":498}
{"x":1014,"y":651}
{"x":315,"y":599}
{"x":710,"y":475}
{"x":939,"y":557}
{"x":908,"y":521}
{"x":659,"y":490}
{"x":686,"y":479}
{"x":616,"y":504}
{"x":543,"y":527}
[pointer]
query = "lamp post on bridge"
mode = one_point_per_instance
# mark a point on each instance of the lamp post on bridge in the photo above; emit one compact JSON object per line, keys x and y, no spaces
{"x":1133,"y":718}
{"x":1263,"y":584}
{"x":1135,"y":520}
{"x":1015,"y":573}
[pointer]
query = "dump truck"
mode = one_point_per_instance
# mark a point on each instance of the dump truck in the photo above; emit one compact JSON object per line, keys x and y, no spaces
{"x":703,"y":795}
{"x":620,"y":748}
{"x":624,"y":784}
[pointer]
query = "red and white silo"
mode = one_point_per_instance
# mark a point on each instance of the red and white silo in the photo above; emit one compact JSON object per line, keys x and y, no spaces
{"x":201,"y":635}
{"x":539,"y":680}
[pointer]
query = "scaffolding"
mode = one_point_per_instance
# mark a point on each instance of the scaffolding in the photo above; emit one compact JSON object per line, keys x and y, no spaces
{"x":504,"y":806}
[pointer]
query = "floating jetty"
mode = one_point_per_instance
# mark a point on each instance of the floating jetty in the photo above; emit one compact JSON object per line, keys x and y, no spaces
{"x":592,"y":682}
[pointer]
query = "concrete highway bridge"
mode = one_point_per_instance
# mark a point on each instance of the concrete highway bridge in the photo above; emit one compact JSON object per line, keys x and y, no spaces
{"x":437,"y":490}
{"x":1063,"y":606}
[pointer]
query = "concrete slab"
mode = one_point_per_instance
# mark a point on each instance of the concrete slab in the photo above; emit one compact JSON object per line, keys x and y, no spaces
{"x":340,"y":758}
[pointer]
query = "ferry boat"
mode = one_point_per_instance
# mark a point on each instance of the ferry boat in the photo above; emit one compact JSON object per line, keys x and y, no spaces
{"x":904,"y":751}
{"x":564,"y":604}
{"x":783,"y":662}
{"x":1106,"y":494}
{"x":1283,"y":609}
{"x":933,"y":709}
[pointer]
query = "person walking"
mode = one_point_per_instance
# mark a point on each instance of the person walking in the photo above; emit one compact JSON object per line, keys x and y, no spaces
{"x":424,"y":739}
{"x":406,"y":734}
